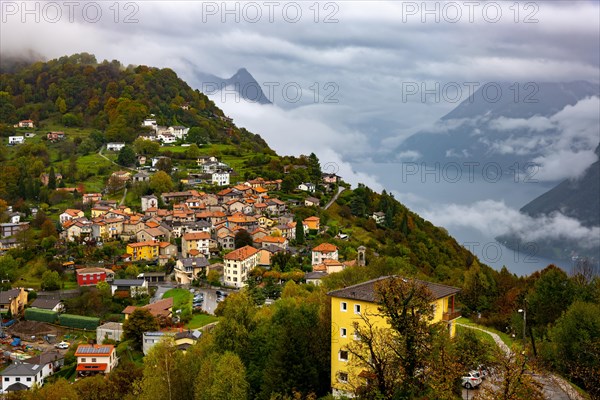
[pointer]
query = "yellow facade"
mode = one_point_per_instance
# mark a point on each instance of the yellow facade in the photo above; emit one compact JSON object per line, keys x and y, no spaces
{"x":344,"y":313}
{"x":145,"y":251}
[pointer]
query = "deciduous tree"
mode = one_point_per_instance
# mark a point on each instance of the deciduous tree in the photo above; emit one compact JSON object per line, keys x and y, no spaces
{"x":139,"y":321}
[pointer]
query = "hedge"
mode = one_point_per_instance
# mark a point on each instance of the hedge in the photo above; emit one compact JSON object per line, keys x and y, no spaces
{"x":78,"y":321}
{"x":41,"y":315}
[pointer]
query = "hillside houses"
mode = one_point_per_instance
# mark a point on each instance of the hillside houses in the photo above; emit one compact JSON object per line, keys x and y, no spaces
{"x":193,"y":227}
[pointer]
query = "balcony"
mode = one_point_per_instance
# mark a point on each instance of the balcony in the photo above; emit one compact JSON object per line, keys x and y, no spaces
{"x":450,"y":315}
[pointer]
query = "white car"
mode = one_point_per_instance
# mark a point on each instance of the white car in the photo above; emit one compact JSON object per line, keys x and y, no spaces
{"x":62,"y":345}
{"x":471,"y":380}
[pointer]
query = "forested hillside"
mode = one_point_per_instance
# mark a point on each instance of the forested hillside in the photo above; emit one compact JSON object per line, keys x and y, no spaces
{"x":78,"y":91}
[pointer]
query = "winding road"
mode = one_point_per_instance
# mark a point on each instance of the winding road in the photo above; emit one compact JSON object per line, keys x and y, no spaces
{"x":335,"y":197}
{"x":554,"y":387}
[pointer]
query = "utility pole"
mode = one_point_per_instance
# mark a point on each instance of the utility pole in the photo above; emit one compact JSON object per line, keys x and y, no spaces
{"x":524,"y":311}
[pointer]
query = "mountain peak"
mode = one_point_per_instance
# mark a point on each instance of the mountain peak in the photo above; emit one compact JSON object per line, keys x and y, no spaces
{"x":243,"y":82}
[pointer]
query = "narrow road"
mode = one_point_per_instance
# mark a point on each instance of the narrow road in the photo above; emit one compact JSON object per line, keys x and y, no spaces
{"x":335,"y":197}
{"x":554,"y":387}
{"x":108,"y":159}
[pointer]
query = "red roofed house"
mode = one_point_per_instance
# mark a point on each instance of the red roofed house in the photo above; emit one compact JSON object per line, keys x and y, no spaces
{"x":91,"y":276}
{"x":329,"y":266}
{"x":199,"y":241}
{"x":237,"y":265}
{"x":26,"y":123}
{"x":70,"y":213}
{"x":160,"y":308}
{"x":312,"y":223}
{"x":95,"y":358}
{"x":278,"y":241}
{"x":324,"y":251}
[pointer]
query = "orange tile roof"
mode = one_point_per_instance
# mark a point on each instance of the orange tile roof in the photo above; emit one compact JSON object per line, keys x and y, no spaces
{"x":241,"y":254}
{"x":325,"y":248}
{"x":274,"y":239}
{"x":73,"y":212}
{"x":197,"y":236}
{"x":312,"y":219}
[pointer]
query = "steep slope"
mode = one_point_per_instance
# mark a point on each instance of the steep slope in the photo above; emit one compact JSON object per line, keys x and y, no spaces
{"x":79,"y":91}
{"x":575,"y":198}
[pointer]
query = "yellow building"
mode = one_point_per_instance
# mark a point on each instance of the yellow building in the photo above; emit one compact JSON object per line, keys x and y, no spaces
{"x":347,"y":306}
{"x":312,"y":223}
{"x":143,"y":250}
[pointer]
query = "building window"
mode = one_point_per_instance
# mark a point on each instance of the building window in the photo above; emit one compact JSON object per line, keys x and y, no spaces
{"x":356,"y":335}
{"x":18,"y":379}
{"x":28,"y":379}
{"x":357,"y":309}
{"x":343,"y":377}
{"x":343,"y":355}
{"x":93,"y":360}
{"x":343,"y":332}
{"x":6,"y":379}
{"x":83,"y":360}
{"x":343,"y":306}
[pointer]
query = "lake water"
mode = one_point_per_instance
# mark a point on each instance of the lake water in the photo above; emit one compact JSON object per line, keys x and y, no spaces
{"x":435,"y":192}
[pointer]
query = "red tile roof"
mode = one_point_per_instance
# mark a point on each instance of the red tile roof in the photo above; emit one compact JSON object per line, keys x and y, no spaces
{"x":325,"y":248}
{"x":241,"y":254}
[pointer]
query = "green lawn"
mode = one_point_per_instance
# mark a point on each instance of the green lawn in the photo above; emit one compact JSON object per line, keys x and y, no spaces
{"x":181,"y":298}
{"x":487,"y":339}
{"x":199,"y":320}
{"x":505,"y":338}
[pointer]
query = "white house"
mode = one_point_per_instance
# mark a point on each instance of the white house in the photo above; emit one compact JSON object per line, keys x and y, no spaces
{"x":149,"y":201}
{"x":220,"y":178}
{"x":324,"y":251}
{"x":180,"y":132}
{"x":69,"y":214}
{"x":26,"y":123}
{"x":167,"y":137}
{"x":238,"y":264}
{"x":151,"y":122}
{"x":110,"y":330}
{"x":48,"y":304}
{"x":22,"y":375}
{"x":95,"y":358}
{"x":307,"y":187}
{"x":115,"y":146}
{"x":379,"y":217}
{"x":13,"y":140}
{"x":210,"y":167}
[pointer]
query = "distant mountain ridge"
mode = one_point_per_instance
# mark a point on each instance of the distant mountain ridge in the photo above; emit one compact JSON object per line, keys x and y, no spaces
{"x":473,"y":132}
{"x":574,"y":198}
{"x":242,"y":82}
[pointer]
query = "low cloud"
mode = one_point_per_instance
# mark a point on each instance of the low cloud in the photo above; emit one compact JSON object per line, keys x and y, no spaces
{"x":496,"y":218}
{"x":563,"y":144}
{"x":297,"y":132}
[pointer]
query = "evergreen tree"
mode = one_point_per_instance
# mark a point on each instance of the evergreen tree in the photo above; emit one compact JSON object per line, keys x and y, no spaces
{"x":314,"y":168}
{"x":126,"y":156}
{"x":52,"y":179}
{"x":299,"y":231}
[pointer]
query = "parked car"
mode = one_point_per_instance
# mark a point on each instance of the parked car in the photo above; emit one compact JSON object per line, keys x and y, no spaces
{"x":483,"y":371}
{"x":471,"y":380}
{"x":62,"y":345}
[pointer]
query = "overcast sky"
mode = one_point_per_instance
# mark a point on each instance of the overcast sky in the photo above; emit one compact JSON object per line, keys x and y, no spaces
{"x":352,"y":60}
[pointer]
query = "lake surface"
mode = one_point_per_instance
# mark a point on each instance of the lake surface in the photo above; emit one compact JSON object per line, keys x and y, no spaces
{"x":439,"y":193}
